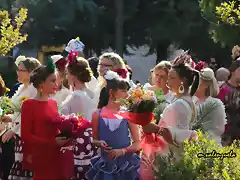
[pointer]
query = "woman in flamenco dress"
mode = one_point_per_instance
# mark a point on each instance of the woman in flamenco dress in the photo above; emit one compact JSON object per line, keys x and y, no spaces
{"x":41,"y":150}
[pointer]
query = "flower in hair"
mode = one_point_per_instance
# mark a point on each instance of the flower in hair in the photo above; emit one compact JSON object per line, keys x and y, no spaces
{"x":122,"y":72}
{"x":20,"y":59}
{"x":110,"y":75}
{"x":200,"y":65}
{"x":72,"y":57}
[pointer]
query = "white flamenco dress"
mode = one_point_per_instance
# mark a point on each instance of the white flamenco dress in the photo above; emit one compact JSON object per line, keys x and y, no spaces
{"x":81,"y":101}
{"x":211,"y":118}
{"x":178,"y":117}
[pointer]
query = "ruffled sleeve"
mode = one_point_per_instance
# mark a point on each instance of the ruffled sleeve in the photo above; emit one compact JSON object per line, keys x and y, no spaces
{"x":176,"y":118}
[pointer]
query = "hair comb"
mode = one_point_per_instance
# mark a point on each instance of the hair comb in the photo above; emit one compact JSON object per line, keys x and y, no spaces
{"x":50,"y":65}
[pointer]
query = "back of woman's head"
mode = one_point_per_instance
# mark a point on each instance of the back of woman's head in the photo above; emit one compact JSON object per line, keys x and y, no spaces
{"x":207,"y":76}
{"x":80,"y":68}
{"x":113,"y":83}
{"x":187,"y":74}
{"x":40,"y":74}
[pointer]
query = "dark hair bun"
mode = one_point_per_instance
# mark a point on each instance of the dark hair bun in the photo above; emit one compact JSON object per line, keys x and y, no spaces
{"x":39,"y":76}
{"x":81,"y":70}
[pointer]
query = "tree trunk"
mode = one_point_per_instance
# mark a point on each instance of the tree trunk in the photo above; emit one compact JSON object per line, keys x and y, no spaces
{"x":162,"y":50}
{"x":119,"y":6}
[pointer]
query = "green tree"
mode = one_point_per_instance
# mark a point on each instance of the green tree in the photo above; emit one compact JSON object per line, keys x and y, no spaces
{"x":11,"y":30}
{"x":223,"y":18}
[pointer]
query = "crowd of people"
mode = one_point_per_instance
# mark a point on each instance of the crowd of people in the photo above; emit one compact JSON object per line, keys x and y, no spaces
{"x":108,"y":147}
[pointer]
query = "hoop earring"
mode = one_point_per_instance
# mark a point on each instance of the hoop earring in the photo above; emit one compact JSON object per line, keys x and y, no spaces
{"x":181,"y":88}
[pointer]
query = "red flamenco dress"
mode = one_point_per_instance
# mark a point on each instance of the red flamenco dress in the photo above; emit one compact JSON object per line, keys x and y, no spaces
{"x":40,"y":151}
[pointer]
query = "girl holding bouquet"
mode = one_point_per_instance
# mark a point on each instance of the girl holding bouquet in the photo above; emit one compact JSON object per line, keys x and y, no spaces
{"x":25,"y":66}
{"x":39,"y":128}
{"x":113,"y":135}
{"x":175,"y":124}
{"x":80,"y":101}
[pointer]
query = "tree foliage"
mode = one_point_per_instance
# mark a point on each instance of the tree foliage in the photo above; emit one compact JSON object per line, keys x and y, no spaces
{"x":11,"y":30}
{"x":224,"y":20}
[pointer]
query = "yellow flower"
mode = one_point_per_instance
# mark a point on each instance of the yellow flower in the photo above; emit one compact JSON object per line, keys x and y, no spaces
{"x":23,"y":98}
{"x":7,"y":89}
{"x":154,"y":121}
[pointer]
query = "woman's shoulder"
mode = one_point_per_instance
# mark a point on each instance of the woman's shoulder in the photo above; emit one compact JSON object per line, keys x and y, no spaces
{"x":216,"y":101}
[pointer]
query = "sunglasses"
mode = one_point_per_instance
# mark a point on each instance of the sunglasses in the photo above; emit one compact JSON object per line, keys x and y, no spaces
{"x":105,"y":65}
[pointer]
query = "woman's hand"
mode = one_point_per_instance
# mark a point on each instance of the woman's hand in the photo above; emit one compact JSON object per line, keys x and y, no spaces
{"x":115,"y":153}
{"x":166,"y":134}
{"x":7,"y":136}
{"x":6,"y":119}
{"x":193,"y":136}
{"x":2,"y":127}
{"x":61,"y":141}
{"x":101,"y":144}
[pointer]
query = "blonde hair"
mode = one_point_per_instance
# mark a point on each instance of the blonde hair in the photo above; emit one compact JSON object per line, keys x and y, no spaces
{"x":207,"y":75}
{"x":165,"y":65}
{"x":115,"y":58}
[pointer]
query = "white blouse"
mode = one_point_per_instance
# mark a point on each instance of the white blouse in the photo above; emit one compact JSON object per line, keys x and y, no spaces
{"x":80,"y":101}
{"x":60,"y":96}
{"x":177,"y":117}
{"x":29,"y":92}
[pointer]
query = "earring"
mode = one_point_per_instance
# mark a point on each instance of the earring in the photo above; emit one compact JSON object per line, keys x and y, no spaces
{"x":41,"y":94}
{"x":181,"y":88}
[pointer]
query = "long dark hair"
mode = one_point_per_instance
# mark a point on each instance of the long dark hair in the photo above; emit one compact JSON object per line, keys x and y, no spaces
{"x":113,"y":84}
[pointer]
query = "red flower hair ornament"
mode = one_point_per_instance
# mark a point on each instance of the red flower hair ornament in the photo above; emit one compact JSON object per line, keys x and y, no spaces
{"x":72,"y":57}
{"x":200,"y":65}
{"x":122,"y":72}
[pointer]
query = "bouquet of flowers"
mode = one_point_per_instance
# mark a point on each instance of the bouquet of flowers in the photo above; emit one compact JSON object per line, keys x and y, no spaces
{"x":6,"y":106}
{"x":18,"y":105}
{"x":140,"y":105}
{"x":69,"y":125}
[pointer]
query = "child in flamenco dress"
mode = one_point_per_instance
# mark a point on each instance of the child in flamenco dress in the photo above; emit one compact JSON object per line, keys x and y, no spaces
{"x":117,"y":159}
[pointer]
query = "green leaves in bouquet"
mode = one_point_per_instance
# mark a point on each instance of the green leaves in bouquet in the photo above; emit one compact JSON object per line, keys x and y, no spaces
{"x":161,"y":104}
{"x":6,"y":105}
{"x":190,"y":166}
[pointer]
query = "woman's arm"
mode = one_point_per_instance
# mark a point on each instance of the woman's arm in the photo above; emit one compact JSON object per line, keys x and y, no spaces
{"x":135,"y":134}
{"x":151,"y":128}
{"x":27,"y":127}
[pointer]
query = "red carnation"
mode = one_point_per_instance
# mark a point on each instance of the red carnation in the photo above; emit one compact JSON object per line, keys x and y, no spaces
{"x":200,"y":65}
{"x":121,"y":72}
{"x":61,"y":65}
{"x":72,"y":57}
